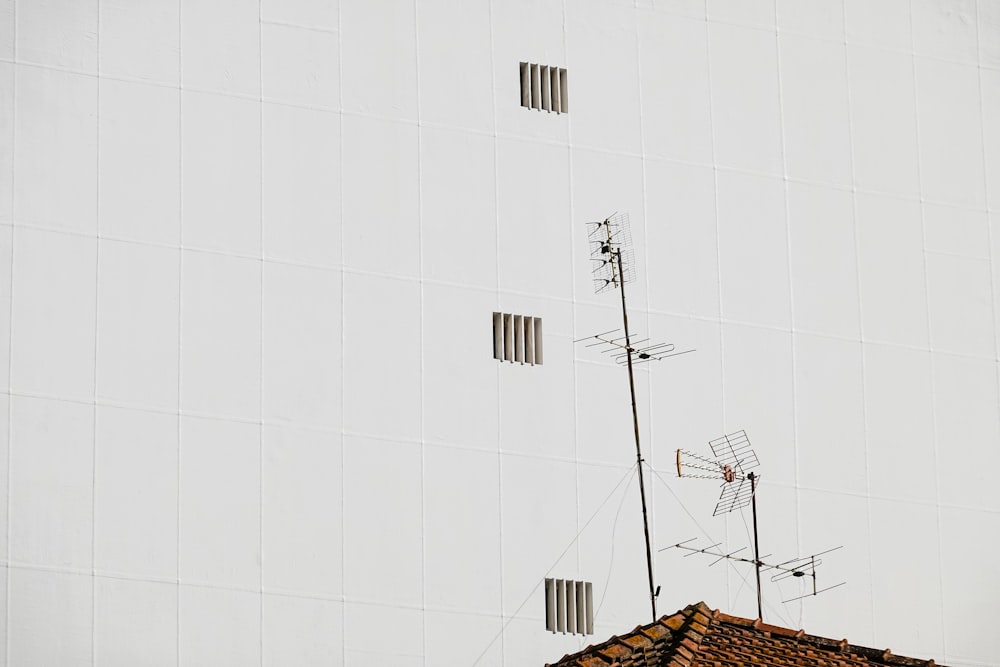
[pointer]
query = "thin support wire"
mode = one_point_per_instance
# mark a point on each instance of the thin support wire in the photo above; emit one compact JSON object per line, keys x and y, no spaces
{"x":628,"y":475}
{"x":611,"y":558}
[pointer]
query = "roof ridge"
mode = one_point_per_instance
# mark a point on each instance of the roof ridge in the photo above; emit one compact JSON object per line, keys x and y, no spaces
{"x":665,"y":634}
{"x":695,"y":634}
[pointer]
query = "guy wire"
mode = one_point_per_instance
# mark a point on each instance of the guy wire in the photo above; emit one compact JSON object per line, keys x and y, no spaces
{"x":611,"y":558}
{"x":628,"y":475}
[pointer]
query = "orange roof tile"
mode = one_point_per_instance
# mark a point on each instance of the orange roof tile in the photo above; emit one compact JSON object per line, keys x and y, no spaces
{"x":697,"y":636}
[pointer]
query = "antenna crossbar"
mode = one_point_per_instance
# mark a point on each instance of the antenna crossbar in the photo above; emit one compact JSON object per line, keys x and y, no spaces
{"x":619,"y":348}
{"x":797,"y":567}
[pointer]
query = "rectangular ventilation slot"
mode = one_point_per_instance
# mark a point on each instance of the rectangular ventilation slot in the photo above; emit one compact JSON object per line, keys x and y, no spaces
{"x":554,"y":86}
{"x":538,"y":341}
{"x":546,"y":93}
{"x":543,"y":87}
{"x":563,"y":91}
{"x":561,"y":605}
{"x":550,"y":605}
{"x":498,"y":336}
{"x":536,"y":87}
{"x":519,"y":339}
{"x":508,"y":337}
{"x":569,"y":606}
{"x":529,"y":340}
{"x":525,"y":85}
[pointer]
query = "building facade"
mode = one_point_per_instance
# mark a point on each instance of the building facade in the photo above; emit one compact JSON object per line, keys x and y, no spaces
{"x":250,"y":254}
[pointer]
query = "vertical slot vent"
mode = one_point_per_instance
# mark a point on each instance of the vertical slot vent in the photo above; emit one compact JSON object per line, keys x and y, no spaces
{"x":561,"y":605}
{"x":517,"y":338}
{"x":525,"y":85}
{"x":543,"y":87}
{"x":563,"y":90}
{"x":569,"y":606}
{"x":529,"y":340}
{"x":536,"y":88}
{"x":550,"y":605}
{"x":546,"y":93}
{"x":554,"y":87}
{"x":508,"y":337}
{"x":538,"y":341}
{"x":498,"y":336}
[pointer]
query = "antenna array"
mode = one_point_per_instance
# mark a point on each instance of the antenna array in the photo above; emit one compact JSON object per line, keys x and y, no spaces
{"x":797,"y":567}
{"x":611,"y":252}
{"x":733,"y":458}
{"x":618,"y":349}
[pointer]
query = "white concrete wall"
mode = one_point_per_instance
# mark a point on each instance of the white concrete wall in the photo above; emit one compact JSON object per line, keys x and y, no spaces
{"x":249,"y":255}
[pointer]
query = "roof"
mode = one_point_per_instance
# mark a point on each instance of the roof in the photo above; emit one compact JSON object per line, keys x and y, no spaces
{"x":697,"y":636}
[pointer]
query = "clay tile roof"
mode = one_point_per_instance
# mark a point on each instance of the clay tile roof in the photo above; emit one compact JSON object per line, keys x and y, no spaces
{"x":697,"y":636}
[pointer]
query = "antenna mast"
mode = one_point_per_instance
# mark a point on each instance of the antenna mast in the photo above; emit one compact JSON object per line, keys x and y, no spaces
{"x":611,"y":249}
{"x":635,"y":427}
{"x":756,"y":542}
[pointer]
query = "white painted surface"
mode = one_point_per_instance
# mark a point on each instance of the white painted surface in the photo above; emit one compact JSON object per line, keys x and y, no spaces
{"x":249,"y":256}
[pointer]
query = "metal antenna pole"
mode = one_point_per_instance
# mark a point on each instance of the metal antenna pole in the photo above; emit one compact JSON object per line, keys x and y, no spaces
{"x":638,"y":449}
{"x":756,"y":542}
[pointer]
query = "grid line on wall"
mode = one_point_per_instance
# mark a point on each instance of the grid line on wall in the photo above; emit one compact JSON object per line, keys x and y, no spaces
{"x":931,"y":366}
{"x":10,"y":343}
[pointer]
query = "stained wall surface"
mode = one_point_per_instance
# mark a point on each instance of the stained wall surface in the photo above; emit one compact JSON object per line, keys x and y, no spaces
{"x":249,"y":256}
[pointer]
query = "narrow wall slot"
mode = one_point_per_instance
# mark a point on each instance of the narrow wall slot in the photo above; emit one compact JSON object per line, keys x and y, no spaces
{"x":508,"y":337}
{"x":517,"y":338}
{"x":550,"y":605}
{"x":538,"y":340}
{"x":561,"y":605}
{"x":544,"y":87}
{"x":536,"y":88}
{"x":563,"y":90}
{"x":498,"y":335}
{"x":546,"y":92}
{"x":569,"y":606}
{"x":529,"y":340}
{"x":525,"y":85}
{"x":554,"y":86}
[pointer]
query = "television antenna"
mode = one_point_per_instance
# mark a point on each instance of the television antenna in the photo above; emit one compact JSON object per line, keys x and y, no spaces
{"x":733,"y":458}
{"x":611,"y":252}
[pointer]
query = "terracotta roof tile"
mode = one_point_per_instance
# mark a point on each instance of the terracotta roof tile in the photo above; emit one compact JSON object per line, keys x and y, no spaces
{"x":697,"y":636}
